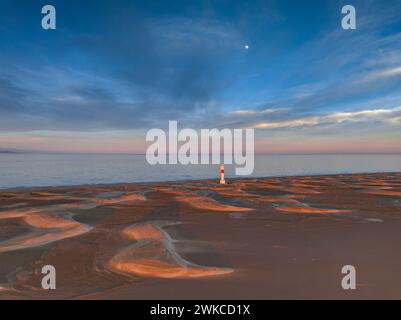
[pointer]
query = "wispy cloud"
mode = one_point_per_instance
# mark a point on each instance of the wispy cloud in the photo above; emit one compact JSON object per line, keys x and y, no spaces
{"x":388,"y":73}
{"x":138,"y":67}
{"x":390,"y":116}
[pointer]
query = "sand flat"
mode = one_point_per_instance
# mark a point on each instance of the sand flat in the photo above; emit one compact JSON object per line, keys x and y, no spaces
{"x":272,"y":238}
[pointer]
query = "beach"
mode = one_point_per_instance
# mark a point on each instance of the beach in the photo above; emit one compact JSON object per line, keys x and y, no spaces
{"x":254,"y":238}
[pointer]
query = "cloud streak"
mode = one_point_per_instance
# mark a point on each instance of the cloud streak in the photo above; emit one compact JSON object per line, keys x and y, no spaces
{"x":107,"y":69}
{"x":390,"y":116}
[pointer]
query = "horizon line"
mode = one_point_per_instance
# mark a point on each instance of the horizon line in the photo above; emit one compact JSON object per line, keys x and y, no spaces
{"x":144,"y":153}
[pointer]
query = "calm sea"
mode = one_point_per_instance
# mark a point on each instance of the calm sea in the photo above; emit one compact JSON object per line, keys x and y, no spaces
{"x":27,"y":170}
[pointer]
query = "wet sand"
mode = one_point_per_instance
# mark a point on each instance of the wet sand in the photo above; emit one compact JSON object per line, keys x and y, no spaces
{"x":277,"y":238}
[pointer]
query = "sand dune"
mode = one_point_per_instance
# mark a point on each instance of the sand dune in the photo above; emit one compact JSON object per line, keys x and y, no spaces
{"x":206,"y":203}
{"x":154,"y":255}
{"x":201,"y":202}
{"x":384,"y":193}
{"x":59,"y":228}
{"x":278,"y":200}
{"x":175,"y":192}
{"x":123,"y":199}
{"x":307,"y":209}
{"x":48,"y":223}
{"x":236,"y":192}
{"x":299,"y":190}
{"x":290,"y":204}
{"x":298,"y":235}
{"x":95,"y":202}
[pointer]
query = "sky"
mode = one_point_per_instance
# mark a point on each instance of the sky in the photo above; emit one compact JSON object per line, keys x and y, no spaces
{"x":114,"y":69}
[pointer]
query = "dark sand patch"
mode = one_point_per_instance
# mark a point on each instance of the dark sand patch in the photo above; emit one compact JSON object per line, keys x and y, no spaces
{"x":10,"y":228}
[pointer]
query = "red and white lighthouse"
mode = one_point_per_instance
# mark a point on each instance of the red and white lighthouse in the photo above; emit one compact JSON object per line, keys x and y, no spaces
{"x":222,"y":181}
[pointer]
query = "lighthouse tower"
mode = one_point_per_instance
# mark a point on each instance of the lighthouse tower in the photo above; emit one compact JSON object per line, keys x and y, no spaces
{"x":222,"y":181}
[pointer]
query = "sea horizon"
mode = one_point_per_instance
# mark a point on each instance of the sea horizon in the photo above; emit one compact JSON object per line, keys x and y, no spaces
{"x":24,"y":170}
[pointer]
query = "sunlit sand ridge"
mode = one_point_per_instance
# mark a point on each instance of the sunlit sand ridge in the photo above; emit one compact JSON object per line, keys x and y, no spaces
{"x":134,"y":239}
{"x":116,"y":198}
{"x":287,"y":202}
{"x":154,"y":255}
{"x":56,"y":228}
{"x":377,"y":187}
{"x":203,"y":202}
{"x":289,"y":205}
{"x":49,"y":223}
{"x":384,"y":193}
{"x":207,"y":203}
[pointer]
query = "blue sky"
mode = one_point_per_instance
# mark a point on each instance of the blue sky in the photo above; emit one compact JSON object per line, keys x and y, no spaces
{"x":114,"y":69}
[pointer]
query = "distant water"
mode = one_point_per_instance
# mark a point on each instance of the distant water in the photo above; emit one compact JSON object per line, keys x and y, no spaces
{"x":27,"y":170}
